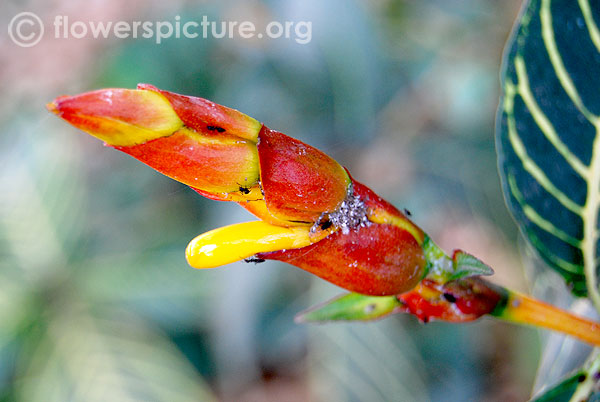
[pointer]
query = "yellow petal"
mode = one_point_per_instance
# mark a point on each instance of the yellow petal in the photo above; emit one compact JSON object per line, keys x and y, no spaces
{"x":242,"y":240}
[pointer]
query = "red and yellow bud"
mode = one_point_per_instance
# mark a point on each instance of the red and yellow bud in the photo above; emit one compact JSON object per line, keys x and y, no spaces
{"x":313,"y":214}
{"x":455,"y":301}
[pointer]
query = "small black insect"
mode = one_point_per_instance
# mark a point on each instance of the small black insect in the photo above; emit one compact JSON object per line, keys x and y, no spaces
{"x":326,"y":225}
{"x":407,"y":212}
{"x":255,"y":260}
{"x":244,"y":190}
{"x":215,"y":128}
{"x":449,"y":297}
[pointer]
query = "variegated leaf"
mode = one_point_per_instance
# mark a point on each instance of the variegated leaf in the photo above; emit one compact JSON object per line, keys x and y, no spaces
{"x":547,"y":135}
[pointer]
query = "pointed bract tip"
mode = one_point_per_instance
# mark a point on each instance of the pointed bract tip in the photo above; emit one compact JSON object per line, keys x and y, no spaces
{"x":119,"y":117}
{"x":52,"y":108}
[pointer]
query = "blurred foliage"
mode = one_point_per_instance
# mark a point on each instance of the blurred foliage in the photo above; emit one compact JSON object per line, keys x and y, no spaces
{"x":96,"y":299}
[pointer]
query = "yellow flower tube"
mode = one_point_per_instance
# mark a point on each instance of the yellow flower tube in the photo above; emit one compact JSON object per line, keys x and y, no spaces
{"x":242,"y":240}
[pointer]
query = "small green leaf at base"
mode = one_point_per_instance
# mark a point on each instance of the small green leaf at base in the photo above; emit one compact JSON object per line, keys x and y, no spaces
{"x":466,"y":265}
{"x":350,"y":307}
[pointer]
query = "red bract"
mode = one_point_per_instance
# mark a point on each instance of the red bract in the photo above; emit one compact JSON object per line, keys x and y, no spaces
{"x":372,"y":258}
{"x":300,"y":182}
{"x":203,"y":115}
{"x":199,"y":161}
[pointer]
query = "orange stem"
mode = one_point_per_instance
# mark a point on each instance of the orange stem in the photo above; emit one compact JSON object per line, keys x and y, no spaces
{"x":522,"y":309}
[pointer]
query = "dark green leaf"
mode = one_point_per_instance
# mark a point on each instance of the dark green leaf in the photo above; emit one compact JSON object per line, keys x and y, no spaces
{"x":547,"y":131}
{"x":579,"y":386}
{"x":563,"y":391}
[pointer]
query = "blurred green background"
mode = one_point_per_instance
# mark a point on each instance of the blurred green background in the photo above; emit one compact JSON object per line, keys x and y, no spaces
{"x":96,"y":299}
